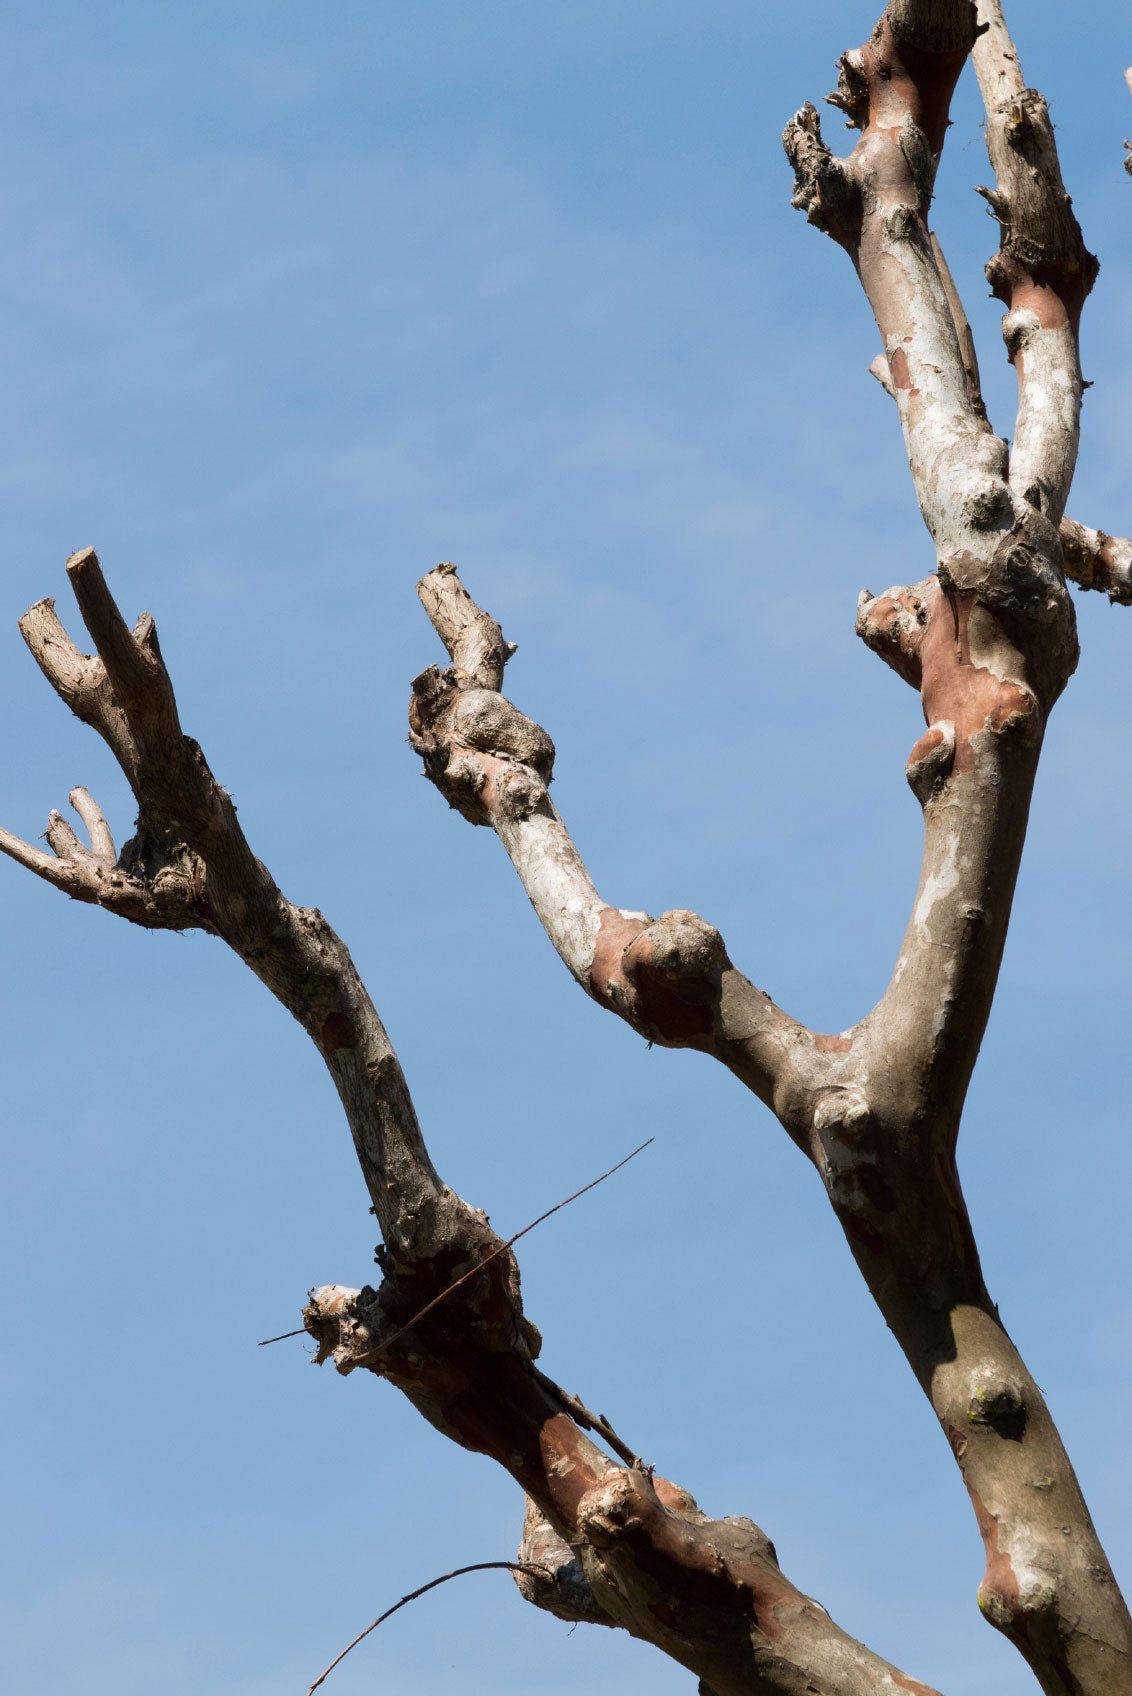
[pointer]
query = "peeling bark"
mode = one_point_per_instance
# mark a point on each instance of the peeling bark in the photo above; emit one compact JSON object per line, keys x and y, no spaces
{"x":1090,"y":559}
{"x":1094,"y":560}
{"x":670,"y":977}
{"x":619,"y":1546}
{"x":988,"y":640}
{"x":1043,"y":271}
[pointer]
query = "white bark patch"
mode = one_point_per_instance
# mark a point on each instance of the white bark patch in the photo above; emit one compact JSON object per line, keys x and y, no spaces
{"x":1033,"y":1569}
{"x":552,"y":873}
{"x":958,"y":468}
{"x":939,"y":885}
{"x":1047,"y":434}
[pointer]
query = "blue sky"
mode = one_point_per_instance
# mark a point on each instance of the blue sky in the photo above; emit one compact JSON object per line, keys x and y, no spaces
{"x":296,"y":302}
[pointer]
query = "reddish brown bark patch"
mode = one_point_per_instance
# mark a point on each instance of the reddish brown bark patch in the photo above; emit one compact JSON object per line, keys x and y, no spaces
{"x":898,"y":369}
{"x":930,"y":742}
{"x":999,"y":1594}
{"x":615,"y":932}
{"x":911,"y":1684}
{"x":568,"y":1472}
{"x":1055,"y":294}
{"x":954,"y":688}
{"x":909,"y":78}
{"x":672,"y":1496}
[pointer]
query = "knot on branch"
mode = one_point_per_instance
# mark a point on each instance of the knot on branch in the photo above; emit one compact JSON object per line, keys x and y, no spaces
{"x":1022,"y":588}
{"x":931,"y":762}
{"x":1041,"y":241}
{"x":437,"y":1316}
{"x":482,"y":753}
{"x":648,"y":1540}
{"x":489,"y":723}
{"x":892,"y":625}
{"x":332,"y":1318}
{"x":998,"y":1402}
{"x":826,"y":189}
{"x":1019,"y":1593}
{"x":842,"y":1113}
{"x":554,"y":1580}
{"x":989,"y":643}
{"x":851,"y":95}
{"x":1095,"y":560}
{"x":664,"y":975}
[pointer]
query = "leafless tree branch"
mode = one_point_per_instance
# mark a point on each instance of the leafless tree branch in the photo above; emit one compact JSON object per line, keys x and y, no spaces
{"x":988,"y":640}
{"x":1095,"y":560}
{"x":446,"y":1325}
{"x":670,"y":977}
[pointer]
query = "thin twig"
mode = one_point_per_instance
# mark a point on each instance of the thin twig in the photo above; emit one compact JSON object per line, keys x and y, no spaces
{"x":472,"y":1271}
{"x":486,"y":1261}
{"x":479,"y":1566}
{"x":590,"y":1421}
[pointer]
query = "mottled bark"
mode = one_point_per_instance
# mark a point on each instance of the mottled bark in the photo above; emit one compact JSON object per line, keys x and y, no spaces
{"x":619,"y":1545}
{"x":1095,"y":560}
{"x":988,"y":640}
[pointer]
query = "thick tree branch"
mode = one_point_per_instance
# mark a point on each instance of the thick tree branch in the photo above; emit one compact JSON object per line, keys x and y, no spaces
{"x":897,"y":90}
{"x":670,"y":978}
{"x":1042,"y":272}
{"x":990,"y":643}
{"x":189,"y":866}
{"x":1091,"y":559}
{"x":709,"y":1593}
{"x":447,"y":1325}
{"x":877,"y":1109}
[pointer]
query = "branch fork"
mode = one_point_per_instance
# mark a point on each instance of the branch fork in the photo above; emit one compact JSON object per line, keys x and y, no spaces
{"x":988,"y":640}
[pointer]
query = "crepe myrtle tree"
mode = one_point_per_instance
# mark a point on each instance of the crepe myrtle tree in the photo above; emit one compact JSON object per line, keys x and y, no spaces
{"x":988,"y":639}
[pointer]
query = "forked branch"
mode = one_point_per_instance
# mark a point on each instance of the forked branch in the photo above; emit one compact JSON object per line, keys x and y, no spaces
{"x":446,"y":1326}
{"x":987,"y":638}
{"x":989,"y":642}
{"x":670,"y":978}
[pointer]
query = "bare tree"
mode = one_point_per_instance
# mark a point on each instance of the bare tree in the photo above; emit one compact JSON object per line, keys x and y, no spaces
{"x":988,"y":639}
